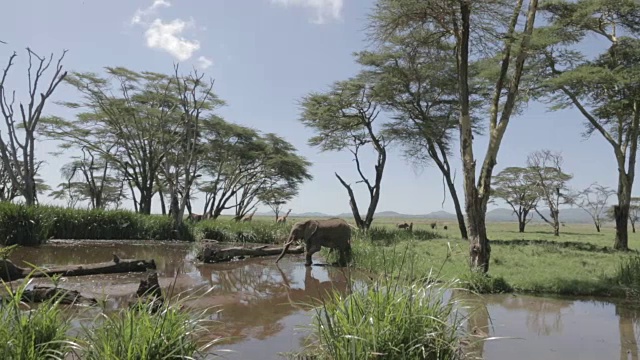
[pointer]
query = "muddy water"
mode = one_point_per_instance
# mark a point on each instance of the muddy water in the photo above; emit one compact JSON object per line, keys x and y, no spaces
{"x":261,"y":307}
{"x":553,"y":328}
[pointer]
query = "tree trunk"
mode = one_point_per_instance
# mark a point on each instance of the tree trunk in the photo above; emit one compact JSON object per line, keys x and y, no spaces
{"x":352,"y":203}
{"x":621,"y":214}
{"x":633,"y":226}
{"x":597,"y":227}
{"x":146,"y":197}
{"x":521,"y":225}
{"x":459,"y":214}
{"x":213,"y":254}
{"x":479,"y":248}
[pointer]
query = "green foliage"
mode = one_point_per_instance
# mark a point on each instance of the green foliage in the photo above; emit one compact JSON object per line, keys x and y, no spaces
{"x":138,"y":333}
{"x":238,"y":231}
{"x":391,"y":320}
{"x":23,"y":225}
{"x":34,"y":334}
{"x":34,"y":225}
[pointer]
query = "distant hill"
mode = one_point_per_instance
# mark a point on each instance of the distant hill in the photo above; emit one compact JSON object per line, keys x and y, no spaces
{"x":569,"y":215}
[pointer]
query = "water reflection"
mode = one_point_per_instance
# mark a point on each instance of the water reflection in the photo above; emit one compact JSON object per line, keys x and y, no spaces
{"x":550,"y":328}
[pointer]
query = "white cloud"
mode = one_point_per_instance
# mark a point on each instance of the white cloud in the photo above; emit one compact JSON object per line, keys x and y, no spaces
{"x":167,"y":36}
{"x":324,"y":9}
{"x":141,"y":15}
{"x":204,"y":62}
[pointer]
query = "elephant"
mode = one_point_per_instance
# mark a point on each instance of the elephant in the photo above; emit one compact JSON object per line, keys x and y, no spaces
{"x":333,"y":233}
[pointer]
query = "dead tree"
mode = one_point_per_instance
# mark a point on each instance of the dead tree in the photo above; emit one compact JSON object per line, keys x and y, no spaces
{"x":14,"y":145}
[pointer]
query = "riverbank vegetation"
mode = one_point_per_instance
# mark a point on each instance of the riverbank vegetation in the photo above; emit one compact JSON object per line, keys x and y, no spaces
{"x":48,"y":331}
{"x":579,"y":262}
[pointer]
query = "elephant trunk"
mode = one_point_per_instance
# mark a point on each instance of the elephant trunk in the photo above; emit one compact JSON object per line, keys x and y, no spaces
{"x":284,"y":250}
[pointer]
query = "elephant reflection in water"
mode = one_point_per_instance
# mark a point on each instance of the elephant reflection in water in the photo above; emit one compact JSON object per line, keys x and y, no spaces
{"x":315,"y":289}
{"x":627,"y":322}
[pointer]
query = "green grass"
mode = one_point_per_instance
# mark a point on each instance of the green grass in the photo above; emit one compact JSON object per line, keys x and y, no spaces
{"x":389,"y":319}
{"x":227,"y":230}
{"x":578,"y":262}
{"x":32,"y":333}
{"x":139,"y":333}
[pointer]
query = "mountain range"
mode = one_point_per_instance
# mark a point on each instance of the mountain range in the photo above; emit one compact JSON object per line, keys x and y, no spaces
{"x":568,"y":215}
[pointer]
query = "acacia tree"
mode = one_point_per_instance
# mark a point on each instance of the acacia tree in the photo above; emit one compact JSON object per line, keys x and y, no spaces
{"x":17,"y":146}
{"x":593,"y":200}
{"x":516,"y":187}
{"x":605,"y":90}
{"x":502,"y":31}
{"x":343,"y":119}
{"x":180,"y":167}
{"x":551,"y":183}
{"x":145,"y":116}
{"x":417,"y":84}
{"x":240,"y":165}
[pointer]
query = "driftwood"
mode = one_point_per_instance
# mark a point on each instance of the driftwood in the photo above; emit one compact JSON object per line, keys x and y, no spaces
{"x":9,"y":271}
{"x":39,"y":294}
{"x":149,"y":293}
{"x":213,"y":254}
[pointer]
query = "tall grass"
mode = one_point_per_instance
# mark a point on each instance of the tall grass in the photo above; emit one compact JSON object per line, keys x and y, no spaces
{"x":133,"y":334}
{"x":32,"y":333}
{"x":391,"y":319}
{"x":24,"y":225}
{"x":233,"y":231}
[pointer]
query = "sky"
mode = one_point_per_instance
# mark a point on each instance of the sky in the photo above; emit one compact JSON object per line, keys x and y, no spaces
{"x":265,"y":55}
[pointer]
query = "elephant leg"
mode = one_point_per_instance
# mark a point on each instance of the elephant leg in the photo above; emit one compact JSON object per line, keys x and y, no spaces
{"x":310,"y":250}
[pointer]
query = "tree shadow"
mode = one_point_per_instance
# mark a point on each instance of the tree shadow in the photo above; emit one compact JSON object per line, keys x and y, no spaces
{"x":551,"y":233}
{"x":574,"y":245}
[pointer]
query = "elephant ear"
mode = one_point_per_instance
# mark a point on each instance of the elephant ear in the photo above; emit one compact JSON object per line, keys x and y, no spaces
{"x":310,"y":229}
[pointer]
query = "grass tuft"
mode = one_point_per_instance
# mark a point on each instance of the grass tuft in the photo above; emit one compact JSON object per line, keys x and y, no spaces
{"x":32,"y":333}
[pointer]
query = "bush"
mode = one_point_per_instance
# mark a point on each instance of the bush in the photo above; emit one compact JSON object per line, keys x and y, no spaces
{"x":32,"y":334}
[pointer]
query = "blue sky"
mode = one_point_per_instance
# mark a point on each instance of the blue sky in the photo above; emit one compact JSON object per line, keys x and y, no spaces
{"x":264,"y":56}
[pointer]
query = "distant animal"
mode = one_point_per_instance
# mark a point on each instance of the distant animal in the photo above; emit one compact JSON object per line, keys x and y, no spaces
{"x":433,"y":225}
{"x":406,"y":226}
{"x":283,"y":219}
{"x":249,"y":217}
{"x":446,"y":227}
{"x":330,"y":233}
{"x":116,"y":259}
{"x":195,"y":217}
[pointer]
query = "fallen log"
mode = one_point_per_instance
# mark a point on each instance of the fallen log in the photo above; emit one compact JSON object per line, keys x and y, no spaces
{"x":39,"y":294}
{"x":9,"y":271}
{"x":213,"y":254}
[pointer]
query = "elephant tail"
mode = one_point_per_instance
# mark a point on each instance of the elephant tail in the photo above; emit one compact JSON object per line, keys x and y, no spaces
{"x":284,"y":250}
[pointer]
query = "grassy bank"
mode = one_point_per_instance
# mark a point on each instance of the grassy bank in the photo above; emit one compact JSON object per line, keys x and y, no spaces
{"x":578,"y":262}
{"x":34,"y":225}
